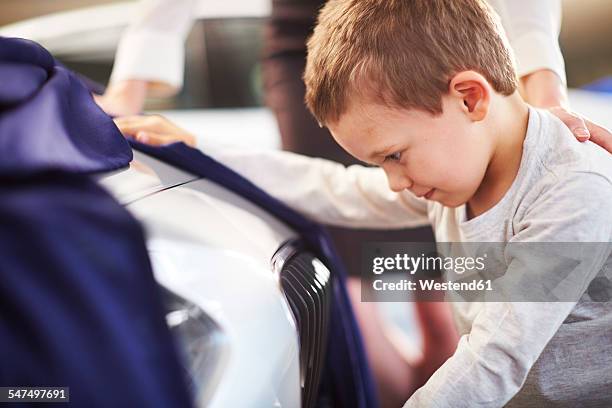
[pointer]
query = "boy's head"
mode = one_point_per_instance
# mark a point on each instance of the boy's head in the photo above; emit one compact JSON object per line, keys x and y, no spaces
{"x":401,"y":83}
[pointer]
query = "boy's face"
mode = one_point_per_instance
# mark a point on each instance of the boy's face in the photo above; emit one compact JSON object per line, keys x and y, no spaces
{"x":442,"y":158}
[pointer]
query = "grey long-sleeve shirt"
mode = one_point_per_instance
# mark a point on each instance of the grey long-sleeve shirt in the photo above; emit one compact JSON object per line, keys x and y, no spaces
{"x":516,"y":353}
{"x":528,"y":354}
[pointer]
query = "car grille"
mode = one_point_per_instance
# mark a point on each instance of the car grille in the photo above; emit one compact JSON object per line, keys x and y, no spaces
{"x":307,"y":285}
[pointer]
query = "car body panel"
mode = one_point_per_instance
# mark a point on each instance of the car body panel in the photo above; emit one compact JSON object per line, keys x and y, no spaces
{"x":214,"y":248}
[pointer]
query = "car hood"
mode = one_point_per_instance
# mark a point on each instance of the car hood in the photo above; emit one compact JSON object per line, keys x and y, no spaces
{"x":178,"y":206}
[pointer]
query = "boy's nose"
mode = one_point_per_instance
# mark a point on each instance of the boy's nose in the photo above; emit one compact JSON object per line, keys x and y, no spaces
{"x":398,"y":182}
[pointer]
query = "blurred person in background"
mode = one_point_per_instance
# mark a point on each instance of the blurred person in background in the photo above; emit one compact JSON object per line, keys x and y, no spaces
{"x":150,"y":62}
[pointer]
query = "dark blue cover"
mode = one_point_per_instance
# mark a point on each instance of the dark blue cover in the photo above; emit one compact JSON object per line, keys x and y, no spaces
{"x":48,"y":120}
{"x":78,"y":303}
{"x":347,"y":375}
{"x":79,"y":307}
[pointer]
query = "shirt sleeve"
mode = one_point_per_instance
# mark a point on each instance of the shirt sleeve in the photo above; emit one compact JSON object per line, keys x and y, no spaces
{"x":152,"y":47}
{"x":532,"y":28}
{"x":492,"y":361}
{"x":326,"y":191}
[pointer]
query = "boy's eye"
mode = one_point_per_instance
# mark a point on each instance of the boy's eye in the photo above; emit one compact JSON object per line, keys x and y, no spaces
{"x":394,"y":157}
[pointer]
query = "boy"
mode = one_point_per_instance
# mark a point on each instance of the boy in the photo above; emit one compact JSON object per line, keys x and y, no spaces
{"x":427,"y":91}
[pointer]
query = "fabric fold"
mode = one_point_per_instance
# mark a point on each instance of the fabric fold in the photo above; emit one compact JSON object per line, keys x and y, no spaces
{"x":79,"y":306}
{"x":48,"y":119}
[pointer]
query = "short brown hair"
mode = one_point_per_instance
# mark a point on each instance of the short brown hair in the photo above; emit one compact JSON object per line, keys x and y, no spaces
{"x":402,"y":53}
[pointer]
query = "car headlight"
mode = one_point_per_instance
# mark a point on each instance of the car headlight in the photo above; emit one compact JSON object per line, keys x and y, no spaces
{"x":201,"y":342}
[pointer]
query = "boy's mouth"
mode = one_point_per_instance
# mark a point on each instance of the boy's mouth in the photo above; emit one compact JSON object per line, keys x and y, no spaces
{"x":426,"y":195}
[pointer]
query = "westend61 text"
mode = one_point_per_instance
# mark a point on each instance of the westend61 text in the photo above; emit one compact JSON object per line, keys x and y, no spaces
{"x":432,"y":284}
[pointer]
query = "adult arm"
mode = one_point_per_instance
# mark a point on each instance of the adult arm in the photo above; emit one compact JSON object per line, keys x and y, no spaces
{"x":150,"y":56}
{"x":532,"y":28}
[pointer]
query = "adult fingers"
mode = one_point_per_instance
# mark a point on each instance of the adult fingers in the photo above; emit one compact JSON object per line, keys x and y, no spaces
{"x":574,"y":122}
{"x":152,"y":138}
{"x":157,"y":139}
{"x":600,"y":135}
{"x":131,"y":125}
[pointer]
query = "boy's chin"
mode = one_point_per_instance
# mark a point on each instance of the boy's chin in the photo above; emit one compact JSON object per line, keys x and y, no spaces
{"x":451,"y":202}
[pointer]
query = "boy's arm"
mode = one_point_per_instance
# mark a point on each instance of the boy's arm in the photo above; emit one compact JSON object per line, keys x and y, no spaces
{"x":322,"y":190}
{"x":492,"y":362}
{"x":326,"y":191}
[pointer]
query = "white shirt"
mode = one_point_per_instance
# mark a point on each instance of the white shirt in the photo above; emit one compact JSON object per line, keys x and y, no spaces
{"x":519,"y":353}
{"x":152,"y":47}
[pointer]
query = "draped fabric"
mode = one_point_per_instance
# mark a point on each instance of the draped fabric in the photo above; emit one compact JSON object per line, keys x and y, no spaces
{"x":48,"y":119}
{"x":79,"y":307}
{"x":347,"y":377}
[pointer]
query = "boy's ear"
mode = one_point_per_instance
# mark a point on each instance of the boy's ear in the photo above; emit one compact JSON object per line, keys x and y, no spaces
{"x":474,"y":92}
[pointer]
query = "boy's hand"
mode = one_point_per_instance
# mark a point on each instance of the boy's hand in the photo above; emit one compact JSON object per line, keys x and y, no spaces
{"x":154,"y":130}
{"x":583,"y":128}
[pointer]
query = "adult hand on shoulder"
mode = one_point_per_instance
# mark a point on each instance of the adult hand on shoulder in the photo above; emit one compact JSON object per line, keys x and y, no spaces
{"x":583,"y":128}
{"x":154,"y":130}
{"x":544,"y":89}
{"x":123,"y":98}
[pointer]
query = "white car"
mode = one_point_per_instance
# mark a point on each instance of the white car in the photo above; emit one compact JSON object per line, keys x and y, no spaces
{"x":249,"y":305}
